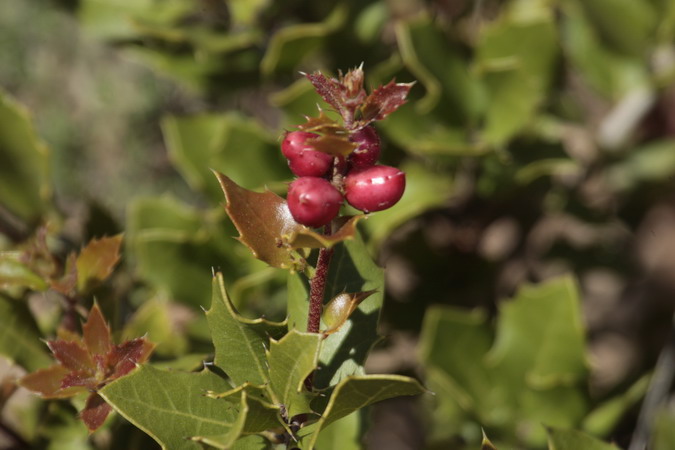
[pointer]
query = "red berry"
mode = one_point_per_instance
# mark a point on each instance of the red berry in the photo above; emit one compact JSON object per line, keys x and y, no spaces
{"x":368,"y":150}
{"x":313,"y":201}
{"x":303,"y":160}
{"x":375,"y":188}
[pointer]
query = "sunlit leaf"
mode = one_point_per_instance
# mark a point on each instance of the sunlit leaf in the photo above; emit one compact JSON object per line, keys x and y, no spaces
{"x":97,"y":260}
{"x":96,"y":332}
{"x":170,"y":406}
{"x":240,"y":343}
{"x":337,"y":311}
{"x":46,"y":382}
{"x":262,"y":220}
{"x":385,"y":100}
{"x":308,"y":238}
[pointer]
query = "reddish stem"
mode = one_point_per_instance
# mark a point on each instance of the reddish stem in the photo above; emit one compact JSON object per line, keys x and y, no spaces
{"x":316,"y":290}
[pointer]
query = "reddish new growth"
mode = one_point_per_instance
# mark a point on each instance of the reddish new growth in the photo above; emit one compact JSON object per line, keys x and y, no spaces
{"x":86,"y":364}
{"x":343,"y":154}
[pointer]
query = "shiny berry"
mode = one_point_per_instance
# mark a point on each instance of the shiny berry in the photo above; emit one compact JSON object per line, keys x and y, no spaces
{"x":313,"y":201}
{"x":303,"y":160}
{"x":367,"y":151}
{"x":375,"y":188}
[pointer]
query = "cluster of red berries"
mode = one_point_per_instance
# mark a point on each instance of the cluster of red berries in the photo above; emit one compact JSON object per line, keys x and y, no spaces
{"x":314,"y":198}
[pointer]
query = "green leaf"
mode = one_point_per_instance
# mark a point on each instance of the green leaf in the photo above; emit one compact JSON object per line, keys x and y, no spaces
{"x":540,"y":333}
{"x":225,"y":142}
{"x":356,"y":392}
{"x":291,"y":360}
{"x":424,"y":190}
{"x":170,"y":406}
{"x":560,"y":439}
{"x":154,"y":319}
{"x":486,"y":444}
{"x":516,"y":55}
{"x":15,"y":274}
{"x":254,"y":416}
{"x":343,"y":434}
{"x":24,"y":178}
{"x":651,"y":163}
{"x":291,"y":44}
{"x":167,"y":238}
{"x":240,"y":343}
{"x":343,"y":353}
{"x":19,"y":336}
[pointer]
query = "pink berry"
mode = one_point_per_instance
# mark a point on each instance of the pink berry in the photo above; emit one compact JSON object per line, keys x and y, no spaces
{"x":313,"y":201}
{"x":303,"y":160}
{"x":368,"y":150}
{"x":375,"y":188}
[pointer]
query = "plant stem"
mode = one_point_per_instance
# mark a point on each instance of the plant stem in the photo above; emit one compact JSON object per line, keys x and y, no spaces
{"x":316,"y":290}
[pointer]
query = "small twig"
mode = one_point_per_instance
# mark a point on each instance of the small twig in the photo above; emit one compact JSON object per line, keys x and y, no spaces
{"x":316,"y":290}
{"x":662,"y":380}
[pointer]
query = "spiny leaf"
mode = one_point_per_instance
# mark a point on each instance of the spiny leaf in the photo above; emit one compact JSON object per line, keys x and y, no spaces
{"x":123,"y":358}
{"x":96,"y":332}
{"x":47,"y":382}
{"x":291,"y":360}
{"x":72,"y":355}
{"x":486,"y":444}
{"x":337,"y":311}
{"x":385,"y":100}
{"x":239,"y":342}
{"x":261,"y":219}
{"x":323,"y":124}
{"x":95,"y":412}
{"x":96,"y":261}
{"x":354,"y":393}
{"x":170,"y":406}
{"x":333,"y":144}
{"x":308,"y":238}
{"x":330,"y":89}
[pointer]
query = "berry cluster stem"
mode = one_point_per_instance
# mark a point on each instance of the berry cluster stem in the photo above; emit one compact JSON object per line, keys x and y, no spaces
{"x":317,"y":288}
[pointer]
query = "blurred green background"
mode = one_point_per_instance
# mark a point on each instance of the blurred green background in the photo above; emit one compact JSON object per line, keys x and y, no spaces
{"x":538,"y":141}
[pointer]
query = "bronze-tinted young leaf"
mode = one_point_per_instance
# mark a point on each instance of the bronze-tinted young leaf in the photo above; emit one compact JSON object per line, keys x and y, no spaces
{"x":262,"y":219}
{"x":353,"y":83}
{"x":97,"y":260}
{"x":308,"y":238}
{"x":322,"y":124}
{"x":46,"y":382}
{"x":96,"y":332}
{"x":84,"y":378}
{"x":95,"y":412}
{"x":333,"y":144}
{"x":330,"y":89}
{"x":384,"y":101}
{"x":71,"y":355}
{"x":339,"y":308}
{"x":124,"y":357}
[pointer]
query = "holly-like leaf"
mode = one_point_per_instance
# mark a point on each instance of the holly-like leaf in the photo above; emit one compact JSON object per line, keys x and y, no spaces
{"x":123,"y":358}
{"x":262,"y":219}
{"x":354,"y":393}
{"x":72,"y":355}
{"x":95,"y":412}
{"x":560,"y":439}
{"x":97,"y":260}
{"x":239,"y":342}
{"x":331,"y":90}
{"x":486,"y":444}
{"x":308,"y":238}
{"x":384,"y":100}
{"x":291,"y":360}
{"x":337,"y":311}
{"x":333,"y":144}
{"x":96,"y":333}
{"x":47,"y":382}
{"x":323,"y":124}
{"x":170,"y":406}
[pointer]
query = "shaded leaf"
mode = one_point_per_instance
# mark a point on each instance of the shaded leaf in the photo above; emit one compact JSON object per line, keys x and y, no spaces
{"x":13,"y":273}
{"x":262,"y":220}
{"x":170,"y":406}
{"x":97,"y":260}
{"x":96,"y":333}
{"x":354,"y":393}
{"x":95,"y":412}
{"x":239,"y":342}
{"x":123,"y":358}
{"x":560,"y":439}
{"x":24,"y":179}
{"x":291,"y":360}
{"x":486,"y":444}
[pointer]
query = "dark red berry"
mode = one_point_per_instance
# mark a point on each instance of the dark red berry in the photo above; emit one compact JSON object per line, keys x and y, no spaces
{"x":313,"y":201}
{"x":303,"y":160}
{"x":368,"y":150}
{"x":375,"y":188}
